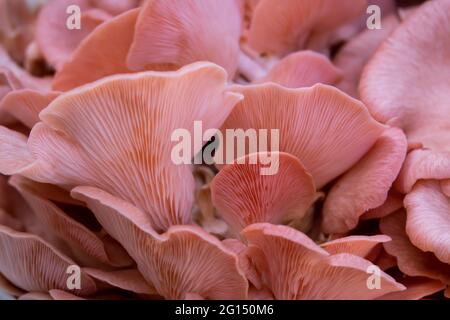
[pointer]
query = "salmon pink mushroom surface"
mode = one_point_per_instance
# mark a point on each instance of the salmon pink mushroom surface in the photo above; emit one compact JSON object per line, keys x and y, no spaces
{"x":224,"y":150}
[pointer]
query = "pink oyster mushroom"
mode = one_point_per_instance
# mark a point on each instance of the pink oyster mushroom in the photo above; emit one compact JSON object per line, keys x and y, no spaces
{"x":88,"y":180}
{"x":423,"y":116}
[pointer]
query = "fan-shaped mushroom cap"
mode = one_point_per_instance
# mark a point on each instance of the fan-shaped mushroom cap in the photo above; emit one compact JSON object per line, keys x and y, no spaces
{"x":183,"y":261}
{"x":416,"y":97}
{"x":324,"y":128}
{"x":280,"y":27}
{"x":428,"y":219}
{"x":410,"y":259}
{"x":243,"y":195}
{"x":185,"y":31}
{"x":41,"y":266}
{"x":294,"y":267}
{"x":303,"y":69}
{"x":16,"y":26}
{"x":116,"y":134}
{"x":366,"y":185}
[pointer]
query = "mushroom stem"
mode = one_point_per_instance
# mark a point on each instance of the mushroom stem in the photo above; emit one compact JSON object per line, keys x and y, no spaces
{"x":250,"y":68}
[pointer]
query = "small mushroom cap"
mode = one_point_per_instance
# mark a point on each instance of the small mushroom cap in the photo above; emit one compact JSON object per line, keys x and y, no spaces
{"x":244,"y":195}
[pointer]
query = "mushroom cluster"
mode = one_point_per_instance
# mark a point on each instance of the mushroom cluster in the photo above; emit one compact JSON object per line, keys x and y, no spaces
{"x":92,"y":205}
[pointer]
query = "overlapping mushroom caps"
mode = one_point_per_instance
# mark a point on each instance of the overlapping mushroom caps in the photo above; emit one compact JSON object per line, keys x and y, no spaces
{"x":115,"y":134}
{"x":292,"y":266}
{"x":243,"y":195}
{"x":342,"y":189}
{"x":105,"y":48}
{"x":185,"y":262}
{"x":302,"y":69}
{"x":423,"y":115}
{"x":325,"y":129}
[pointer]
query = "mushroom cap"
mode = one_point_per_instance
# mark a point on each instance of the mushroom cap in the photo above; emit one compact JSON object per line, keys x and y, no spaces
{"x":61,"y":230}
{"x":183,"y":261}
{"x":324,"y":128}
{"x":25,"y":104}
{"x":395,"y":85}
{"x":294,"y":267}
{"x":280,"y":27}
{"x":116,"y":134}
{"x":366,"y":185}
{"x":416,"y":288}
{"x":54,"y":38}
{"x":356,"y":53}
{"x":244,"y":195}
